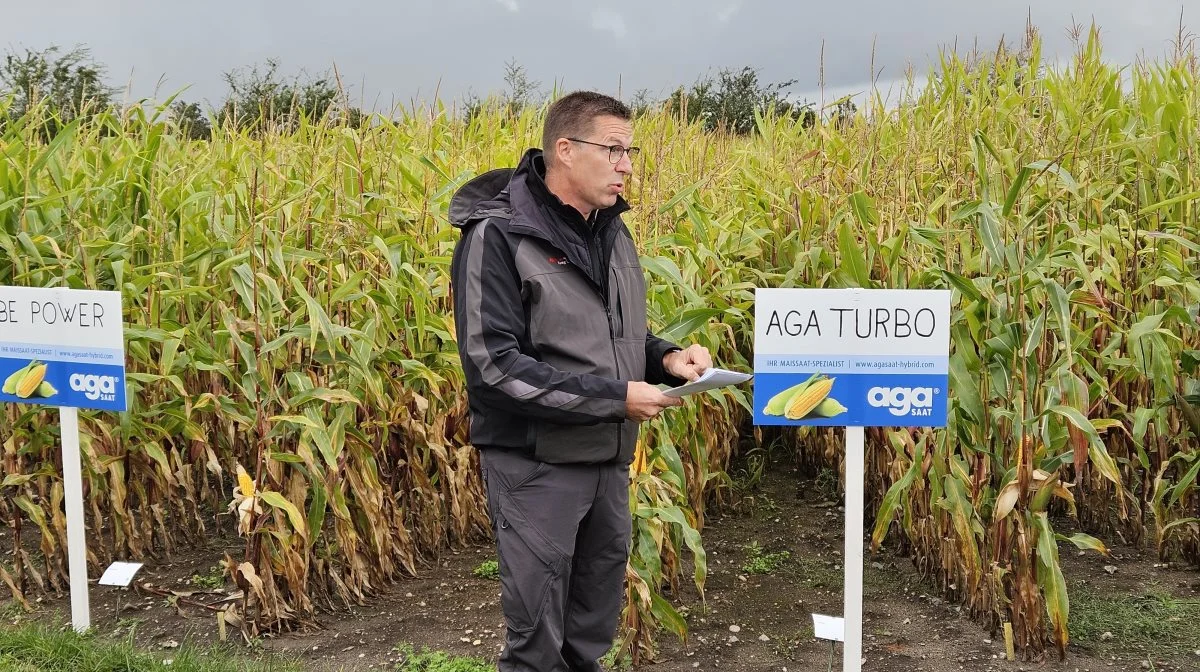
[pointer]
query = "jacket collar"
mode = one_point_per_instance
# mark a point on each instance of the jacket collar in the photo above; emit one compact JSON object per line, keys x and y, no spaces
{"x":520,"y":195}
{"x":531,"y":197}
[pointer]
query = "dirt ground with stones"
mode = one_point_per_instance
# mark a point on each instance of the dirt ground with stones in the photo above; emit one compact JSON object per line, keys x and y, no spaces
{"x":753,"y":621}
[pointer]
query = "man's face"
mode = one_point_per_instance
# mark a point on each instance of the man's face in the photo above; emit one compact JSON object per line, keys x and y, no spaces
{"x":594,"y":177}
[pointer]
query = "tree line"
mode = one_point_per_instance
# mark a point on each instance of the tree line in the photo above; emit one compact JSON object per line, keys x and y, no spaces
{"x":70,"y":85}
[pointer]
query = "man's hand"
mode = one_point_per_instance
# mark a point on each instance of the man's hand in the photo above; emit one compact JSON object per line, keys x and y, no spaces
{"x":688,"y":363}
{"x":644,"y":401}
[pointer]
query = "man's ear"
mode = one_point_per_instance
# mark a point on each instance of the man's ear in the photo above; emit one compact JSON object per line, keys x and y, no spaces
{"x":562,"y":152}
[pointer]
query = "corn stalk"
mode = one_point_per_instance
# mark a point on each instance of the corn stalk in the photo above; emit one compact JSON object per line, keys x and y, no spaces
{"x":293,"y":376}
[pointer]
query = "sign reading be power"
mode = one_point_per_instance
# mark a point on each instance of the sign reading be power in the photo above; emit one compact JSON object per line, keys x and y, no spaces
{"x":851,"y":357}
{"x":62,"y":347}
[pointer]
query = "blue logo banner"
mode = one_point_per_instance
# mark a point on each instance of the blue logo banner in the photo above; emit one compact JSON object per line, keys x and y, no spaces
{"x":851,"y":357}
{"x":63,"y":383}
{"x":841,"y":399}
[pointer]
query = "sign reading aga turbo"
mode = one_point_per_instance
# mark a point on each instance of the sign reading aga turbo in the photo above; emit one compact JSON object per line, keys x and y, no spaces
{"x":851,"y":357}
{"x":62,"y":347}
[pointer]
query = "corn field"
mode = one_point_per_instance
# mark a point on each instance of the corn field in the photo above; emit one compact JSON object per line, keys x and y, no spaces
{"x":293,"y":376}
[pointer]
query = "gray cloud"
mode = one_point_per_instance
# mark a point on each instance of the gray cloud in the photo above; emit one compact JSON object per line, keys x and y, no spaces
{"x":392,"y":53}
{"x":611,"y":22}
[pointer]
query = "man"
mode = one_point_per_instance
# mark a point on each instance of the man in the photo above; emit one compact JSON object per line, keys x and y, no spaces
{"x":550,"y":311}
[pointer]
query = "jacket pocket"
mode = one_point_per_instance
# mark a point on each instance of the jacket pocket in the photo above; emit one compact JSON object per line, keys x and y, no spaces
{"x":631,"y":357}
{"x":529,"y":566}
{"x":630,"y":297}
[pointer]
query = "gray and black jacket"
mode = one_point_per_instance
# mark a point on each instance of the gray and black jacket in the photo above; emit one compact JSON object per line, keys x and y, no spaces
{"x":550,"y":314}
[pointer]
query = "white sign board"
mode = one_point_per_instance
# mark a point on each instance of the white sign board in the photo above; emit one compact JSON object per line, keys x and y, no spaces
{"x":882,"y":354}
{"x":852,"y":358}
{"x":62,"y":347}
{"x":65,"y":348}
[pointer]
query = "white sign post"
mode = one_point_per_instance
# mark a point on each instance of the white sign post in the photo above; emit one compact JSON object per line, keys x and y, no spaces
{"x":852,"y":585}
{"x":65,"y":348}
{"x":853,"y":358}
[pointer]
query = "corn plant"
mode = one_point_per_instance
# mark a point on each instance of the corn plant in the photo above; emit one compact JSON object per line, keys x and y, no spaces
{"x":293,"y":376}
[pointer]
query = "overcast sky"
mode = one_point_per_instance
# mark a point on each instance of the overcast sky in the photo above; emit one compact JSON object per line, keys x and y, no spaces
{"x":390,"y":52}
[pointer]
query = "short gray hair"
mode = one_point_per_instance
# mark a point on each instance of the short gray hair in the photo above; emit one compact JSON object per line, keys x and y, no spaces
{"x":574,"y":115}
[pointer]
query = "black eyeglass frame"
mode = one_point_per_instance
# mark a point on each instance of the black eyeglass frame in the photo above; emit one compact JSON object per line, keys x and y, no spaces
{"x":613,"y":150}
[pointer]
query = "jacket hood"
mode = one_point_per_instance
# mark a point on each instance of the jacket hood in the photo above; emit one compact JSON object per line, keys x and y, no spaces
{"x":480,"y":197}
{"x":523,"y":189}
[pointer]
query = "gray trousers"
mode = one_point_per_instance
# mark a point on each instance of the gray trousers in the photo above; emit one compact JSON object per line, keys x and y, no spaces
{"x":562,"y":539}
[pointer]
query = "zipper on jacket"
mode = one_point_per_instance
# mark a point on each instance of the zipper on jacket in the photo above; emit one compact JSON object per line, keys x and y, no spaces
{"x":603,"y":290}
{"x":612,"y":338}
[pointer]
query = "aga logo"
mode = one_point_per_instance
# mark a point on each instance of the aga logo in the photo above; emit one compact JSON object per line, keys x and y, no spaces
{"x":903,"y":400}
{"x":95,"y":387}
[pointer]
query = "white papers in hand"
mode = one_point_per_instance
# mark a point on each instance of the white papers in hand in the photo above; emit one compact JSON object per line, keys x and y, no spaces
{"x":709,"y":380}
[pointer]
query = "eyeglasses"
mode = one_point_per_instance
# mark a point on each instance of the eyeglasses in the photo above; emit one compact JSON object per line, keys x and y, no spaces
{"x":614,"y":151}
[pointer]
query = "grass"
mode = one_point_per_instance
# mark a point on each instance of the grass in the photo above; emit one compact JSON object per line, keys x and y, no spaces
{"x":213,"y":580}
{"x":819,"y":572}
{"x":11,"y":611}
{"x":425,"y":660}
{"x":45,"y":649}
{"x":614,"y":661}
{"x":438,"y":661}
{"x":761,"y":505}
{"x":787,"y":646}
{"x":758,"y":562}
{"x":40,"y":648}
{"x":1153,"y":621}
{"x":488,"y":569}
{"x":827,"y":483}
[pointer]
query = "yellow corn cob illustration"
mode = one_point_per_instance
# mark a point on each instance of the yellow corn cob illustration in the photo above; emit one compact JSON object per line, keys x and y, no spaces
{"x":10,"y":383}
{"x":806,"y":400}
{"x":828,"y":408}
{"x":30,"y":381}
{"x":777,"y":403}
